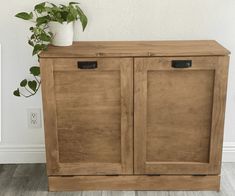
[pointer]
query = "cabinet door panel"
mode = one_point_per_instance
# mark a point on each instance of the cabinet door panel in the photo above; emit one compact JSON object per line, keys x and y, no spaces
{"x":92,"y":116}
{"x":179,"y":115}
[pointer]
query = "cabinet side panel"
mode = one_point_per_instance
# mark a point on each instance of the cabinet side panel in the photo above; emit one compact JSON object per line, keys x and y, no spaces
{"x":49,"y":113}
{"x":220,"y":92}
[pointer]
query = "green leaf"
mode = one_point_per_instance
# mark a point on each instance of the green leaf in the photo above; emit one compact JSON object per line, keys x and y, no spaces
{"x":52,"y":4}
{"x":72,"y":3}
{"x":44,"y":37}
{"x":38,"y":48}
{"x":17,"y":93}
{"x":40,"y":7}
{"x":58,"y":16}
{"x":42,"y":20}
{"x":84,"y":21}
{"x":31,"y":43}
{"x":35,"y":70}
{"x":83,"y":17}
{"x":32,"y":85}
{"x":70,"y":18}
{"x":48,"y":10}
{"x":23,"y":83}
{"x":24,"y":15}
{"x":64,"y":15}
{"x":74,"y":12}
{"x":63,"y":6}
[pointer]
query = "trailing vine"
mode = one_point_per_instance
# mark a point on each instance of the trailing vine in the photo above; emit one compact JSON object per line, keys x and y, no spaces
{"x":41,"y":37}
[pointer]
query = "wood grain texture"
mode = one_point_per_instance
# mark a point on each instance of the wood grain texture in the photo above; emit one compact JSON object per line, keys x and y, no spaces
{"x":218,"y":113}
{"x":135,"y":115}
{"x":49,"y":111}
{"x":127,"y":118}
{"x":174,"y":130}
{"x":137,"y":49}
{"x":88,"y":114}
{"x":134,"y":183}
{"x":179,"y":116}
{"x":94,"y":116}
{"x":140,"y":115}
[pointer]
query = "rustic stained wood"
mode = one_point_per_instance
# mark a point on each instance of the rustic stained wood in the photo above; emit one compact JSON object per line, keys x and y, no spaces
{"x":182,"y":115}
{"x":137,"y":49}
{"x":134,"y":183}
{"x":219,"y":101}
{"x":135,"y":116}
{"x":49,"y":113}
{"x":92,"y":111}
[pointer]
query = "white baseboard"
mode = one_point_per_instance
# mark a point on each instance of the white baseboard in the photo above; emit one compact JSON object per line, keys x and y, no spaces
{"x":229,"y":152}
{"x":36,"y":153}
{"x":22,"y":154}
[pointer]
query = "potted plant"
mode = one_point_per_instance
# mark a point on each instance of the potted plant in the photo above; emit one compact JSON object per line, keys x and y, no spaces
{"x":53,"y":24}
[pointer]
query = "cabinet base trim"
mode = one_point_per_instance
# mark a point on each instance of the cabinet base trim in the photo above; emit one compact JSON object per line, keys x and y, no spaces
{"x":167,"y":182}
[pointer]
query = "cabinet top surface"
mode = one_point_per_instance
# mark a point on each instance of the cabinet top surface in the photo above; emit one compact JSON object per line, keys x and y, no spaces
{"x":136,"y":49}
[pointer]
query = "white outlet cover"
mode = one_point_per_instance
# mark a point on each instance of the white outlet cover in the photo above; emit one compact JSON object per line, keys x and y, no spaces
{"x":34,"y":118}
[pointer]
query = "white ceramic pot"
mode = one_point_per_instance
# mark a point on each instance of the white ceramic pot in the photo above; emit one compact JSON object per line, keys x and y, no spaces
{"x":62,"y":33}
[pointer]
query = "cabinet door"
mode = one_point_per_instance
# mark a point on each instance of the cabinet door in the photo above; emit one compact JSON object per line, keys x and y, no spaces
{"x":88,"y":116}
{"x":179,"y":115}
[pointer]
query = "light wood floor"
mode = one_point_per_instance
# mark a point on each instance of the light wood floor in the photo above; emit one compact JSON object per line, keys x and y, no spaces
{"x":31,"y":180}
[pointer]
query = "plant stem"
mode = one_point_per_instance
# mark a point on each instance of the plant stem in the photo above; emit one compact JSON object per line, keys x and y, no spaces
{"x":36,"y":79}
{"x":31,"y":94}
{"x":39,"y":84}
{"x":28,"y":90}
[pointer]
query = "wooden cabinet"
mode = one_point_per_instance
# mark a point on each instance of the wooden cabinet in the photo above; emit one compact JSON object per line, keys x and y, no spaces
{"x":134,"y":115}
{"x":179,"y":115}
{"x":89,"y":113}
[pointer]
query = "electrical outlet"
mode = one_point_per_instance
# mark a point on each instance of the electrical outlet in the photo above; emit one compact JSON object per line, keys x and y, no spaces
{"x":34,"y":118}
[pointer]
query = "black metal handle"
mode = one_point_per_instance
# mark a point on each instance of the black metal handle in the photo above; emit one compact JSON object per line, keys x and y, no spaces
{"x":181,"y":63}
{"x":87,"y":64}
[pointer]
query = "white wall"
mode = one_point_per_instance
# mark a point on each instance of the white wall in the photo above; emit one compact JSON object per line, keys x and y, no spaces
{"x":108,"y":20}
